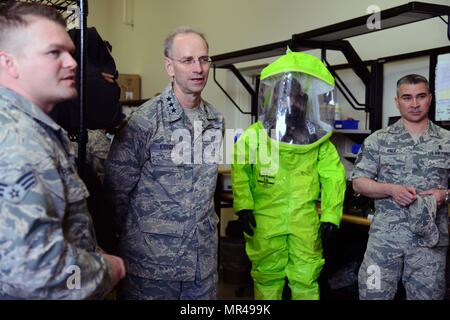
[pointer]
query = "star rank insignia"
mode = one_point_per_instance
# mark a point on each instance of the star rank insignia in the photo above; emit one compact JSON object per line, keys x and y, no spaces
{"x":15,"y":193}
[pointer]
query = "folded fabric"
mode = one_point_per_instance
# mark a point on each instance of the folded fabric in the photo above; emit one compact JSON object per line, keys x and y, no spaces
{"x":422,"y":221}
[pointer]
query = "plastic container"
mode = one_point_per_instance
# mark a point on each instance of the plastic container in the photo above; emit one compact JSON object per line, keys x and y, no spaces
{"x":346,"y":124}
{"x":355,"y":148}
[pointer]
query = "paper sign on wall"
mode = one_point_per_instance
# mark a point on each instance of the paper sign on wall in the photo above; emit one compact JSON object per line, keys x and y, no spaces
{"x":443,"y":88}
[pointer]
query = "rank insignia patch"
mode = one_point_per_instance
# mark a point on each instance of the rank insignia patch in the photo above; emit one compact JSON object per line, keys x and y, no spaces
{"x":16,"y":192}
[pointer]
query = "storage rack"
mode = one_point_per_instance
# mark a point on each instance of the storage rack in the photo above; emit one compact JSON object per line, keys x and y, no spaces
{"x":333,"y":37}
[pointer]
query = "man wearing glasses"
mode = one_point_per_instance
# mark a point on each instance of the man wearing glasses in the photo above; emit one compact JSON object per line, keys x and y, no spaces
{"x":161,"y":173}
{"x":405,"y":168}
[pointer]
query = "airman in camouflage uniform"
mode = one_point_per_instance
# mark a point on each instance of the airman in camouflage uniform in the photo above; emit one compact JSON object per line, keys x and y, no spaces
{"x":409,"y":232}
{"x":47,"y":245}
{"x":44,"y":226}
{"x":164,"y":197}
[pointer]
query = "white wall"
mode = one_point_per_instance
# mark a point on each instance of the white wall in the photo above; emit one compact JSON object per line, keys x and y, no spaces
{"x":238,"y":24}
{"x":98,"y":13}
{"x":394,"y":71}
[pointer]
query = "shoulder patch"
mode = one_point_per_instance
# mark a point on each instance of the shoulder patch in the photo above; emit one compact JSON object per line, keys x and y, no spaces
{"x":16,"y":192}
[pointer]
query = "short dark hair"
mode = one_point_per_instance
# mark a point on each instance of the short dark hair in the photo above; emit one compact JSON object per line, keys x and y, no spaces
{"x":168,"y":42}
{"x":14,"y":15}
{"x":412,"y":79}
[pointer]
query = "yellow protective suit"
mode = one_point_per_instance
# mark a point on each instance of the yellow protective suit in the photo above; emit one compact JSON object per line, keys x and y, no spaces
{"x":283,"y":196}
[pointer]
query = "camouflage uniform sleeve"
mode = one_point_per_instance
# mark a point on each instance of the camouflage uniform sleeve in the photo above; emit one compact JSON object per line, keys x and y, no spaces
{"x":367,"y":160}
{"x":123,"y":167}
{"x":78,"y":226}
{"x":36,"y":260}
{"x":40,"y":258}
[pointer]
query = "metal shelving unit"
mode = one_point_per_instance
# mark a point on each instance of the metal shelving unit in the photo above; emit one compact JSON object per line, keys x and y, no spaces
{"x":333,"y":37}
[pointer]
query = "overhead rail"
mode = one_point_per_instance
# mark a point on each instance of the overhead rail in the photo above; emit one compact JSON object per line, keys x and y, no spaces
{"x":332,"y":38}
{"x":389,"y":18}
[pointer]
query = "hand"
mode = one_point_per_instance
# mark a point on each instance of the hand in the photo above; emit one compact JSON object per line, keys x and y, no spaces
{"x":118,"y":268}
{"x":439,"y":194}
{"x":402,"y":195}
{"x":327,"y":231}
{"x":247,"y":220}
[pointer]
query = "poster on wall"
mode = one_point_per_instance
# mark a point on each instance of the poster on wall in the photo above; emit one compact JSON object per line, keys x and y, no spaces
{"x":442,"y":92}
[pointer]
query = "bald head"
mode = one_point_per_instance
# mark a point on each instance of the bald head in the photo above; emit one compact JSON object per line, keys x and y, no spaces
{"x":168,"y":42}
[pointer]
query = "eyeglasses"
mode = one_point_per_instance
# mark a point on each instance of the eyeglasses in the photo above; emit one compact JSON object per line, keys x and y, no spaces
{"x":189,"y":61}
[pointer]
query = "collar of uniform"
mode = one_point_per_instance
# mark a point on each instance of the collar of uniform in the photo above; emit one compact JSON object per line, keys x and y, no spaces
{"x":170,"y":104}
{"x":175,"y":110}
{"x":204,"y":115}
{"x":28,"y":107}
{"x":399,"y":127}
{"x":210,"y":117}
{"x":433,"y":130}
{"x":210,"y":114}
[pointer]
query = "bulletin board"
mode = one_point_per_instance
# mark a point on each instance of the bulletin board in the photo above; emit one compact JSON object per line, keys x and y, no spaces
{"x":442,"y":87}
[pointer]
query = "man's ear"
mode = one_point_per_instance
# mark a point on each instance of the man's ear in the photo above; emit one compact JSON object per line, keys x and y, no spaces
{"x":168,"y":64}
{"x":7,"y":64}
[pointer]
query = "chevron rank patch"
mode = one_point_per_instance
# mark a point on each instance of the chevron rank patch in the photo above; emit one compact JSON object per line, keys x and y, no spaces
{"x":16,"y":192}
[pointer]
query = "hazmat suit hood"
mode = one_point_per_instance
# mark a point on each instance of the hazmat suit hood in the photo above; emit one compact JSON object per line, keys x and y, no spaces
{"x":295,"y":99}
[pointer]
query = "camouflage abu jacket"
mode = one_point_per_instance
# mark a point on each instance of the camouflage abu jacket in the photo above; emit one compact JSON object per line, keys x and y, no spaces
{"x":47,"y":244}
{"x":390,"y":155}
{"x":161,"y":174}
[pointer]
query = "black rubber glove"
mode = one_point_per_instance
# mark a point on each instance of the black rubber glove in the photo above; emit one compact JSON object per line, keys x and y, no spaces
{"x":247,"y":220}
{"x":327,"y":231}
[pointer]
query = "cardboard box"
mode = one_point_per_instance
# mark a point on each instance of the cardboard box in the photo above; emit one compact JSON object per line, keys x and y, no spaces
{"x":130,"y":87}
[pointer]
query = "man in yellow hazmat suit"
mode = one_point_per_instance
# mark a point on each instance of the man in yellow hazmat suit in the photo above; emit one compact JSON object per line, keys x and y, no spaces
{"x":282,"y":165}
